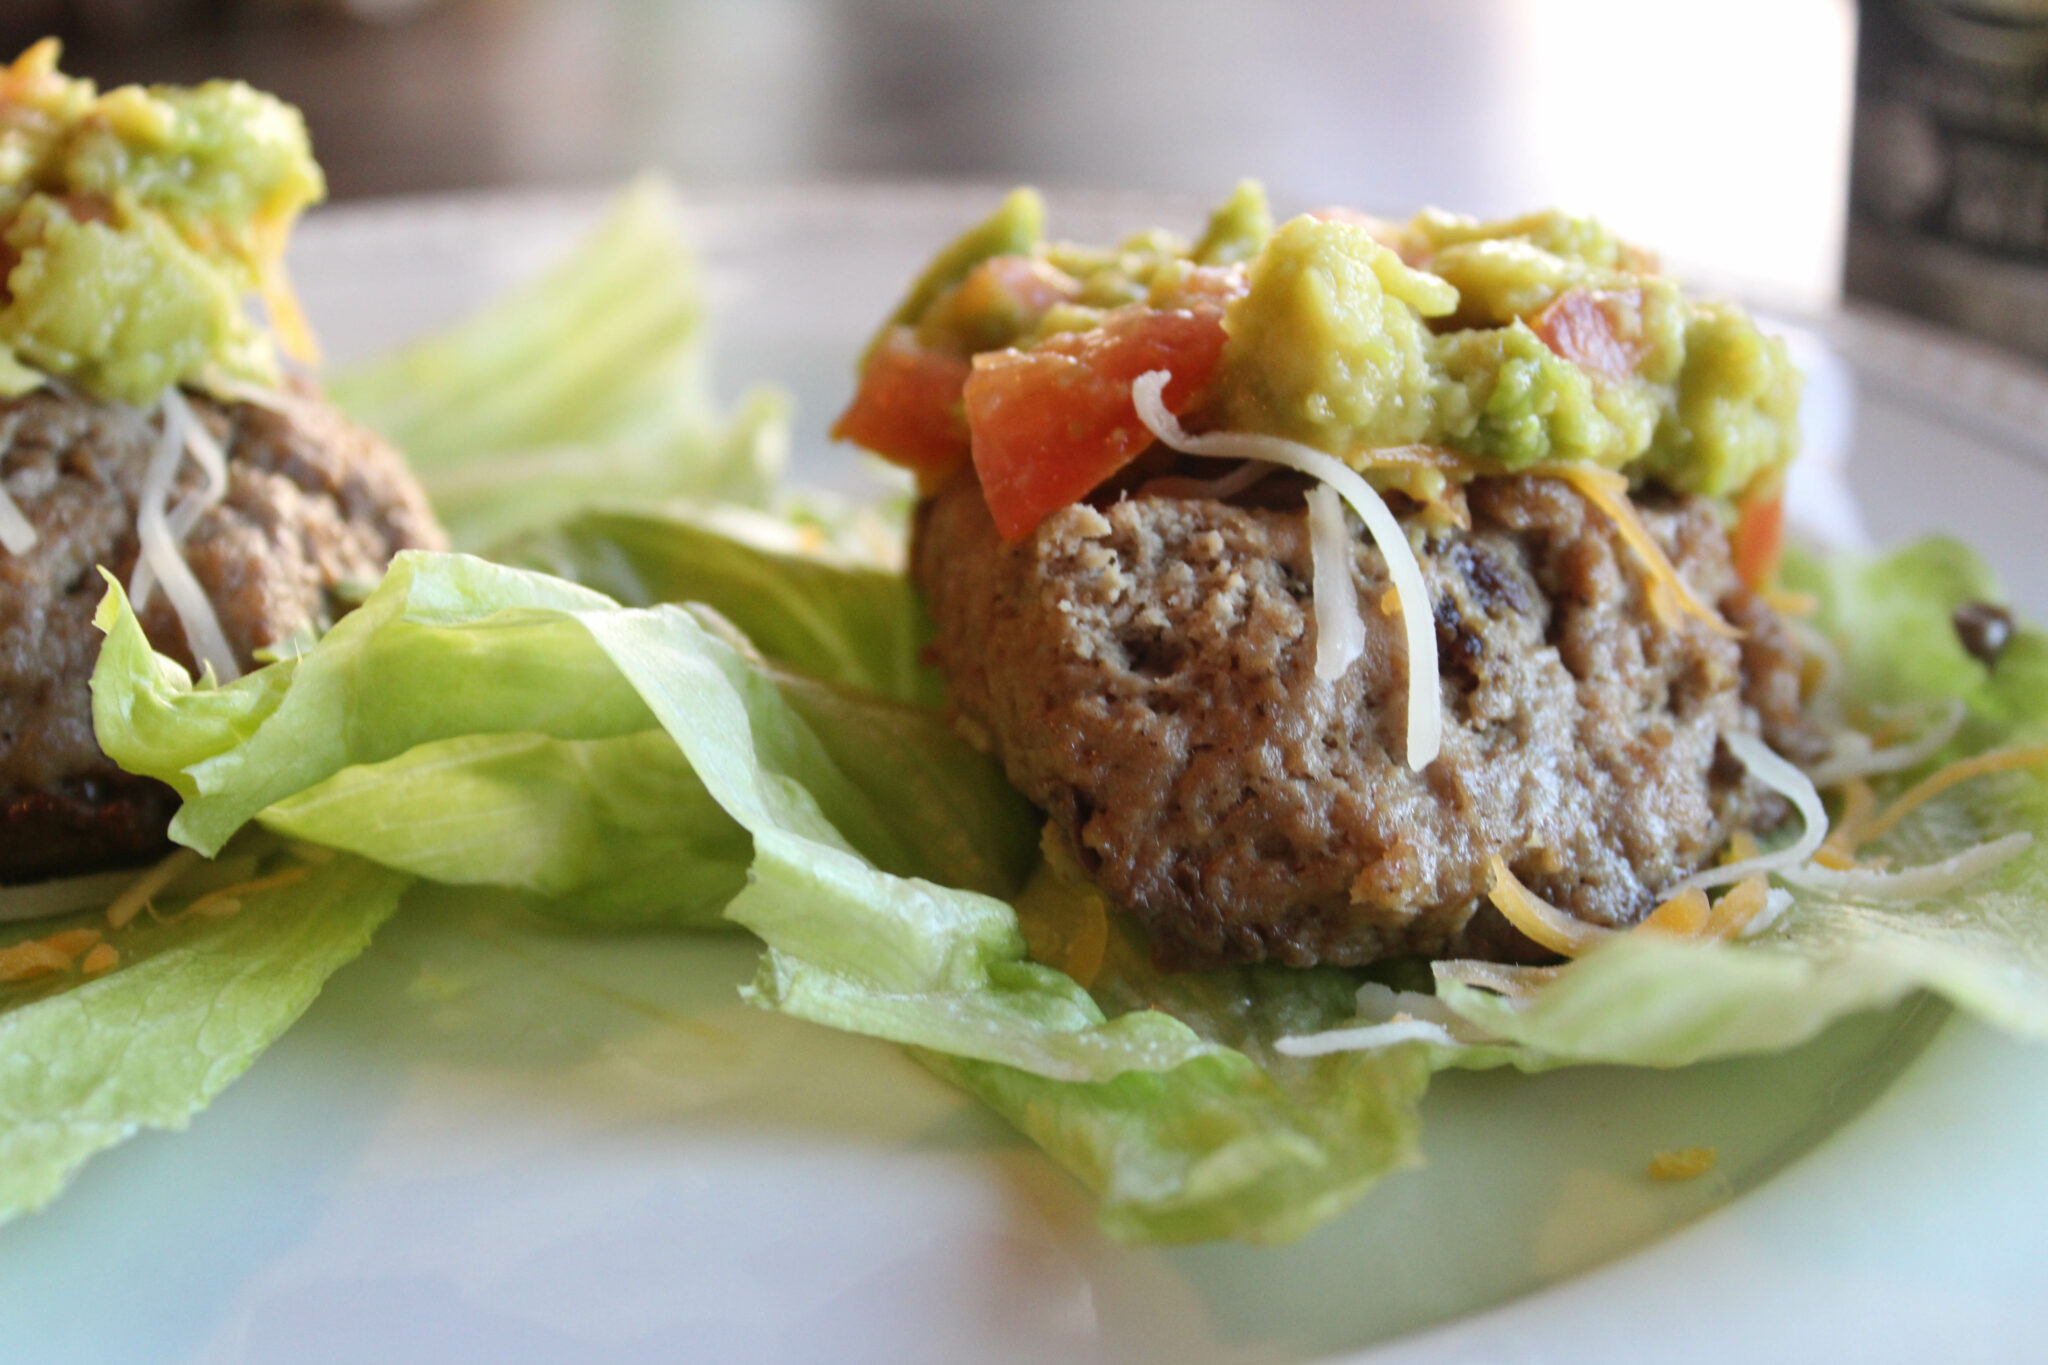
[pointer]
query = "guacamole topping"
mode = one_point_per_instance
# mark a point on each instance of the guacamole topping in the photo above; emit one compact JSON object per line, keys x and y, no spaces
{"x":135,"y":225}
{"x":1418,"y":353}
{"x":1373,"y":357}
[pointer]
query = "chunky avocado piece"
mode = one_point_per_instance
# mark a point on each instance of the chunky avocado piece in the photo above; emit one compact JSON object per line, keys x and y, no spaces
{"x":1526,"y":342}
{"x":1517,"y":403}
{"x":136,"y":224}
{"x":1736,"y":418}
{"x":1331,"y":346}
{"x":1237,"y":229}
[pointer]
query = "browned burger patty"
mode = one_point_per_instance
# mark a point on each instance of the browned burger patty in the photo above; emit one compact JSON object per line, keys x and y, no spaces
{"x":314,"y":504}
{"x":1146,"y":672}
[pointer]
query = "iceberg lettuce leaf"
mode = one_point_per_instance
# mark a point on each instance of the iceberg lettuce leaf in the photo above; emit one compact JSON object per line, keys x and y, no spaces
{"x":86,"y":1062}
{"x":465,"y":703}
{"x":857,"y":625}
{"x":587,"y":384}
{"x":1245,"y":1142}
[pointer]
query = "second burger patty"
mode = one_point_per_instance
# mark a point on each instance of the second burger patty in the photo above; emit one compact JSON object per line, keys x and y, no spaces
{"x":1146,"y":672}
{"x":314,"y":504}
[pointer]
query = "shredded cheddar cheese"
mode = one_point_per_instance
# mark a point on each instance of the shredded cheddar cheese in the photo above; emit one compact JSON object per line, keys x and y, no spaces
{"x":1683,"y":915}
{"x":24,"y":961}
{"x":227,"y":900}
{"x":1738,"y":906}
{"x":1939,"y":781}
{"x":1082,"y":959}
{"x":1859,"y":803}
{"x":45,"y":956}
{"x":1539,"y":921}
{"x":1607,"y":490}
{"x":72,"y":942}
{"x":280,"y":300}
{"x":1788,"y":603}
{"x":1688,"y":914}
{"x":1684,"y":1163}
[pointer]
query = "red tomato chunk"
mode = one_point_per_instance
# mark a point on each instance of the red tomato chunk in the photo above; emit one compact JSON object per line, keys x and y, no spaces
{"x":1051,"y":424}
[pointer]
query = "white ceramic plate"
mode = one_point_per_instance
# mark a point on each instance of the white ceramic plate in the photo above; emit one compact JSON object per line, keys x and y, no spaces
{"x":497,"y":1143}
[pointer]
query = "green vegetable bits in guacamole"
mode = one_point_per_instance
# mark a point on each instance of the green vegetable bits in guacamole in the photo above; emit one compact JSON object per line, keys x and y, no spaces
{"x":1514,"y":343}
{"x":134,"y":225}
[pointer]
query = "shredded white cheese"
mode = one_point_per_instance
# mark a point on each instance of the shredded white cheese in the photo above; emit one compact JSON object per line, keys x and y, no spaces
{"x":1912,"y":883}
{"x":1781,"y":777}
{"x":1387,"y":1017}
{"x":1340,"y":630}
{"x":160,"y":560}
{"x":212,"y":462}
{"x":1776,"y":902}
{"x":17,"y":533}
{"x":1425,"y":714}
{"x":198,"y":442}
{"x":64,"y":896}
{"x":282,"y":401}
{"x":139,"y":891}
{"x":1852,"y":755}
{"x":1365,"y":1038}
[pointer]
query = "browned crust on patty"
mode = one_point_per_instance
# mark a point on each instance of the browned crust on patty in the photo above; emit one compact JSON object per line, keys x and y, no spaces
{"x":1145,"y":671}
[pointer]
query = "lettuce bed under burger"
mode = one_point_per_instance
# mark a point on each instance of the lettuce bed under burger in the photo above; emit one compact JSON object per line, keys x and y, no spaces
{"x":706,"y":728}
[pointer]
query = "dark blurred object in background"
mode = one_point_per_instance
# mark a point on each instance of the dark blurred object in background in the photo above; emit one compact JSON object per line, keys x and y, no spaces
{"x":1949,"y":187}
{"x":132,"y":21}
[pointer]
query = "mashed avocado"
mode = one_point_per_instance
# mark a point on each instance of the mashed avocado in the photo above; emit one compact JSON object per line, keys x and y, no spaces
{"x":1535,"y":340}
{"x":1522,"y":342}
{"x":134,"y":225}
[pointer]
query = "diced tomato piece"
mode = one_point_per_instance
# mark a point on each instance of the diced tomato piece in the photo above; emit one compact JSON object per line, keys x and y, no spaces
{"x":907,"y":408}
{"x":1579,"y":325}
{"x":1051,"y":424}
{"x":1758,"y":541}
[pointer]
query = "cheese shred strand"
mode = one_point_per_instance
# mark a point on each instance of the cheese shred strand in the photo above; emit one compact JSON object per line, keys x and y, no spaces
{"x":1340,"y":630}
{"x":1425,"y":710}
{"x":160,"y":559}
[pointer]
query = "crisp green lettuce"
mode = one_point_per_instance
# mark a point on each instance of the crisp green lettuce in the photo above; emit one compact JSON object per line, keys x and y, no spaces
{"x":86,"y":1063}
{"x":463,"y":681}
{"x":587,"y":385}
{"x":1244,"y":1143}
{"x":870,"y":828}
{"x":859,"y":625}
{"x":614,"y":833}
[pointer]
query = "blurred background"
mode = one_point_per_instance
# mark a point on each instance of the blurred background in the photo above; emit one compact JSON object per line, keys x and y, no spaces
{"x":1719,"y":133}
